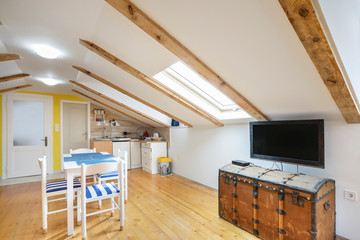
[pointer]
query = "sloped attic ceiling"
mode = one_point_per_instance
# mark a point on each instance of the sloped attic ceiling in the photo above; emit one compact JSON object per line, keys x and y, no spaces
{"x":250,"y":44}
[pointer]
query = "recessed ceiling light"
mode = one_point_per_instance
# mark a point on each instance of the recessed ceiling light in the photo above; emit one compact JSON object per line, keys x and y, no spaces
{"x":50,"y":81}
{"x":46,"y":51}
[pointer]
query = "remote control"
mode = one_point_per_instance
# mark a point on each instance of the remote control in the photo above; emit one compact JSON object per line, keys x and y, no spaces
{"x":240,"y":163}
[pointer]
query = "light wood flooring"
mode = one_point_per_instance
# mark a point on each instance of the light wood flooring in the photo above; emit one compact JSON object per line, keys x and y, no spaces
{"x":170,"y":207}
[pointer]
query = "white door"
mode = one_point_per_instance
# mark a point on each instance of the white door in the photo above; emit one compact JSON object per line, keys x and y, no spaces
{"x":29,"y":121}
{"x":75,"y":126}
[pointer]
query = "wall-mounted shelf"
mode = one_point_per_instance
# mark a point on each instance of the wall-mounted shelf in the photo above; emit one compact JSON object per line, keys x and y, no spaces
{"x":99,"y":116}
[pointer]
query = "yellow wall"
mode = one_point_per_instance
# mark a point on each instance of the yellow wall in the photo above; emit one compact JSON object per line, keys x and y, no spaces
{"x":56,"y":120}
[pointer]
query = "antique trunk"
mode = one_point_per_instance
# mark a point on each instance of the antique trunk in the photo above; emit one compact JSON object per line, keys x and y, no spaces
{"x":274,"y":204}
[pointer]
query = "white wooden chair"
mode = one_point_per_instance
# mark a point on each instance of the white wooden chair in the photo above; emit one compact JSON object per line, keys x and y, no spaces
{"x":102,"y":191}
{"x":82,"y":150}
{"x":85,"y":150}
{"x":103,"y":177}
{"x":54,"y":188}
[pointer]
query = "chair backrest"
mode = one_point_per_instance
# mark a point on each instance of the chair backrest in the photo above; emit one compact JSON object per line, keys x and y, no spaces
{"x":82,"y":150}
{"x":123,"y":156}
{"x":100,"y":168}
{"x":42,"y":164}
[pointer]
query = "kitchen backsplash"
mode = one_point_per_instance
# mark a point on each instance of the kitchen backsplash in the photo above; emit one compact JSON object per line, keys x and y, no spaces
{"x":133,"y":130}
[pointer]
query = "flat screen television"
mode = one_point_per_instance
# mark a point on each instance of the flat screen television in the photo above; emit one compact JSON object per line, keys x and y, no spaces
{"x":298,"y":142}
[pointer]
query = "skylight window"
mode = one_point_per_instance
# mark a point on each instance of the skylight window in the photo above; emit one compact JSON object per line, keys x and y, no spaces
{"x":184,"y":81}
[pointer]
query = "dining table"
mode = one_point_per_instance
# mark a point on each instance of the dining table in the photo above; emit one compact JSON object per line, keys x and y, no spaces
{"x":72,"y":167}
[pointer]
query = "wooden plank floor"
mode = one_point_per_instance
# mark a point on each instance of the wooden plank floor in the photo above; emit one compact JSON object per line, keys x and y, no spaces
{"x":170,"y":207}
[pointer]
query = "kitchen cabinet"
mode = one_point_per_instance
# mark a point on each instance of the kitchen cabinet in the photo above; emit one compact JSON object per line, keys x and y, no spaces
{"x":135,"y":156}
{"x":150,"y":152}
{"x":102,"y":146}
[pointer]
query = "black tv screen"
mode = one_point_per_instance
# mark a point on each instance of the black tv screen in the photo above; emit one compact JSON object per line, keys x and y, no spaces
{"x":298,"y":142}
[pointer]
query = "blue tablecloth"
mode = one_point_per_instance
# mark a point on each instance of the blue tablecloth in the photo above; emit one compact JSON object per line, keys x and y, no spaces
{"x":90,"y":158}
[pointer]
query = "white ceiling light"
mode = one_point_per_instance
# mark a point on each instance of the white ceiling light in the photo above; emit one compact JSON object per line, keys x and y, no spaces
{"x":46,"y":51}
{"x":49,"y":81}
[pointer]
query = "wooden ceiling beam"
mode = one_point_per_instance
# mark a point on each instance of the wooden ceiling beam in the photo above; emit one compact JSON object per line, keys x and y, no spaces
{"x":148,"y":80}
{"x":15,"y":88}
{"x":108,"y":106}
{"x":118,"y":103}
{"x":302,"y":17}
{"x":143,"y":21}
{"x":123,"y":91}
{"x":8,"y":57}
{"x":13,"y":77}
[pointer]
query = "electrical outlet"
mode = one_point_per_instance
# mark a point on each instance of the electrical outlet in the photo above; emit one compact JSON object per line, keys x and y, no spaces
{"x":350,"y":194}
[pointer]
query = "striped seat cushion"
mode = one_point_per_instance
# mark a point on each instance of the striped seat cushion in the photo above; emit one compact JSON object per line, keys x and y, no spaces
{"x":107,"y":175}
{"x":101,"y":190}
{"x":60,"y":185}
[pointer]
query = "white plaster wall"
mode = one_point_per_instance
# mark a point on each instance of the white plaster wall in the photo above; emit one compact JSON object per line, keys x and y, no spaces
{"x":198,"y":153}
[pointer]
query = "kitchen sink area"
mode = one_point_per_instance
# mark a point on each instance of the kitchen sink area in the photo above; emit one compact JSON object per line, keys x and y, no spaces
{"x":144,"y":145}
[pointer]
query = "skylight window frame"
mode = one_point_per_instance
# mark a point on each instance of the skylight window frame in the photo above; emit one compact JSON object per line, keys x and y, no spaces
{"x":194,"y":88}
{"x":175,"y":81}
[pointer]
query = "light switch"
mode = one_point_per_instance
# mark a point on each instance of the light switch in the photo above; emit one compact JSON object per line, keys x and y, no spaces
{"x":57,"y":127}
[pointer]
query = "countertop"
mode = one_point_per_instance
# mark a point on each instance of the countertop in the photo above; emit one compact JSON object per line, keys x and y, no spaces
{"x":124,"y":139}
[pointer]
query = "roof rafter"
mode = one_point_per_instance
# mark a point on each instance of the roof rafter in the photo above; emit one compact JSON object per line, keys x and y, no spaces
{"x":13,"y":77}
{"x":138,"y":17}
{"x":108,"y":106}
{"x":123,"y":91}
{"x":8,"y":57}
{"x":303,"y":18}
{"x":118,"y":103}
{"x":148,"y":80}
{"x":15,"y":88}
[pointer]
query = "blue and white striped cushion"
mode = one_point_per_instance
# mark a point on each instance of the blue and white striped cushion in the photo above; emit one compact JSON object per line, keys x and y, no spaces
{"x":60,"y":185}
{"x":107,"y":175}
{"x":101,"y":190}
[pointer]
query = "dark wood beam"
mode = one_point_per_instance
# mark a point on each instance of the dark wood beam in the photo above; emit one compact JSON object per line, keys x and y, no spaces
{"x":302,"y":17}
{"x":123,"y":91}
{"x":118,"y":103}
{"x":13,"y":77}
{"x":148,"y":80}
{"x":8,"y":57}
{"x":14,"y":88}
{"x":143,"y":21}
{"x":108,"y":106}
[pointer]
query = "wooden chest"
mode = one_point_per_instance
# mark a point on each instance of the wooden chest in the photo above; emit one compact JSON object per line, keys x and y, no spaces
{"x":273,"y":204}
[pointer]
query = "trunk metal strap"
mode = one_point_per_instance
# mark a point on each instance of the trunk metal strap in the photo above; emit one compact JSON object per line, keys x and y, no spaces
{"x":255,"y":206}
{"x":291,"y":177}
{"x":255,"y":221}
{"x":241,"y":169}
{"x":281,"y":231}
{"x":281,"y":212}
{"x":261,"y":174}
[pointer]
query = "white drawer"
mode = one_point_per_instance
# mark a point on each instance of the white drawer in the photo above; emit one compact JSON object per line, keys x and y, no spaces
{"x":146,"y":153}
{"x":145,"y":163}
{"x":146,"y":145}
